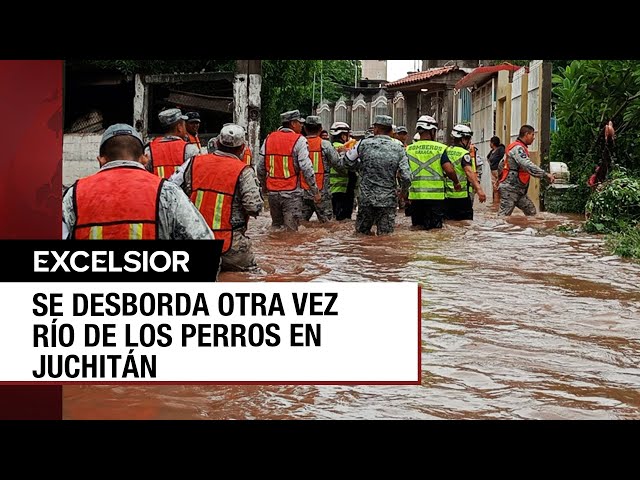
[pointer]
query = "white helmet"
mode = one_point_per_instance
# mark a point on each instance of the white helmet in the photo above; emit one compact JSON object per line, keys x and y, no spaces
{"x":427,"y":122}
{"x":339,"y":127}
{"x":460,"y":131}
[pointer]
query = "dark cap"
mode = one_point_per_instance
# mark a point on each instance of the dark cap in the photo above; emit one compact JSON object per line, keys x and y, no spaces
{"x":192,"y":116}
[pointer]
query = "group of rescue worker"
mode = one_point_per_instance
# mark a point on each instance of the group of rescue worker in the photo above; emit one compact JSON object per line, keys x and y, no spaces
{"x":172,"y":188}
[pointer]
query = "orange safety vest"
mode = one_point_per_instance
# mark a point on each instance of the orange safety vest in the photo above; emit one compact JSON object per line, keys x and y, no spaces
{"x":117,"y":204}
{"x":278,"y":160}
{"x":167,"y":155}
{"x":214,"y":179}
{"x":247,"y":155}
{"x":315,"y":154}
{"x":194,"y":139}
{"x":523,"y":175}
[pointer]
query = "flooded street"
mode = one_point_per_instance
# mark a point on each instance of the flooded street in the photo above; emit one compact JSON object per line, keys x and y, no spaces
{"x":520,"y":321}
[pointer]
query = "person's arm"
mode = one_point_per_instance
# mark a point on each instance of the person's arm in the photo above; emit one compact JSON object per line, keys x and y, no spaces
{"x":249,"y":191}
{"x":330,"y":154}
{"x":68,"y":213}
{"x":301,"y":157}
{"x":261,"y":170}
{"x":450,"y":171}
{"x":405,"y":174}
{"x":179,"y":219}
{"x":190,"y":151}
{"x":473,"y":178}
{"x":182,"y":177}
{"x":525,"y":163}
{"x":350,"y":159}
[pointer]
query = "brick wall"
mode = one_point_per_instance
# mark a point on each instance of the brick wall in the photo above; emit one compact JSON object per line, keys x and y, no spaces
{"x":79,"y":152}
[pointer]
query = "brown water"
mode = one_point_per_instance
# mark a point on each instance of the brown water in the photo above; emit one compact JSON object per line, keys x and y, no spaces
{"x":519,"y":321}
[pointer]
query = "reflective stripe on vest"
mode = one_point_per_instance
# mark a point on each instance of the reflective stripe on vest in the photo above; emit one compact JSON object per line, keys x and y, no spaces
{"x":338,"y":181}
{"x":167,"y":155}
{"x":456,"y":154}
{"x":247,"y":155}
{"x":315,"y":154}
{"x":523,"y":175}
{"x":194,"y":140}
{"x":119,"y":203}
{"x":427,"y":179}
{"x":214,"y":179}
{"x":278,"y":158}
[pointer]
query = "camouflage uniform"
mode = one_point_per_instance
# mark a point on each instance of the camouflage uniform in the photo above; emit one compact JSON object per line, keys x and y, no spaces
{"x":247,"y":201}
{"x":189,"y":152}
{"x":179,"y":219}
{"x":286,"y":207}
{"x":512,"y":192}
{"x":324,"y":209}
{"x":167,"y":118}
{"x":378,"y":159}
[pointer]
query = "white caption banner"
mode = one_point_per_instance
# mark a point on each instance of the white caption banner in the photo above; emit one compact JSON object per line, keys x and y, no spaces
{"x":362,"y":333}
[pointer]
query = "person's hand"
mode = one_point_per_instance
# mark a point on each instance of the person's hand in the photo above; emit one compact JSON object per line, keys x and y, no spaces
{"x":482,"y":196}
{"x":457,"y":187}
{"x":341,"y":149}
{"x":317,"y":197}
{"x":551,"y":177}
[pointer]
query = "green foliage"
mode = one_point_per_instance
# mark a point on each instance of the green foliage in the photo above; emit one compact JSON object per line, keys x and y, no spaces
{"x":571,"y":200}
{"x":288,"y":85}
{"x":615,"y":206}
{"x":587,"y":94}
{"x":625,"y":243}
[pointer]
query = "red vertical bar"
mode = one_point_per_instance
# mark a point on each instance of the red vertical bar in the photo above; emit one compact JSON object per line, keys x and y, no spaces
{"x":31,"y":189}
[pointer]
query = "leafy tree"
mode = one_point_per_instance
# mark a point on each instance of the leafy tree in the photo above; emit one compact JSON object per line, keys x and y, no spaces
{"x":589,"y":93}
{"x":288,"y":85}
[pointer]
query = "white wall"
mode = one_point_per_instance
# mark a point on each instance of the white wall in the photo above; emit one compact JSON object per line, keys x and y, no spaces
{"x":79,"y":152}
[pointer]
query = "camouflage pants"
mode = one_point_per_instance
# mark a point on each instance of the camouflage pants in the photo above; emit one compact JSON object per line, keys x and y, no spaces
{"x":239,"y":257}
{"x":323,"y":210}
{"x":514,"y":197}
{"x":383,"y":218}
{"x":285,"y":210}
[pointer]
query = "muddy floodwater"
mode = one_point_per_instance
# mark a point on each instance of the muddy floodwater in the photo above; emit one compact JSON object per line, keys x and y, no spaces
{"x":521,"y":320}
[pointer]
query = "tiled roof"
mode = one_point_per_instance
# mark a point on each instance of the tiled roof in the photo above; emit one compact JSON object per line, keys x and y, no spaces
{"x":481,"y":74}
{"x":421,"y":76}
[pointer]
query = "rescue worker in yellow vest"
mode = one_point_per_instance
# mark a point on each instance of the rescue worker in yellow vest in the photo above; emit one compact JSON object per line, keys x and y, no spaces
{"x":168,"y":152}
{"x":284,"y":159}
{"x":458,"y":203}
{"x":323,"y":156}
{"x":428,"y":168}
{"x":193,"y":125}
{"x":516,"y":169}
{"x":342,"y":182}
{"x":124,"y":201}
{"x":226,"y":192}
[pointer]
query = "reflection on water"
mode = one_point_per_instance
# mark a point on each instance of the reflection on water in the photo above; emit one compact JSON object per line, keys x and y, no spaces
{"x":519,"y":321}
